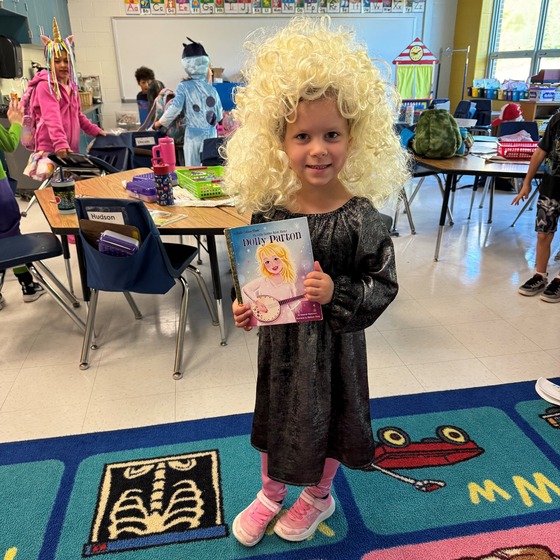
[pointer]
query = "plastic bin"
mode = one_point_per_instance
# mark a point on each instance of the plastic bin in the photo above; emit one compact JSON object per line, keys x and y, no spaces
{"x":517,"y":150}
{"x":202,"y":182}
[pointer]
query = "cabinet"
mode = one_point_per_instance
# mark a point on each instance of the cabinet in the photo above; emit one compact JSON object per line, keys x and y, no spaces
{"x":26,"y":20}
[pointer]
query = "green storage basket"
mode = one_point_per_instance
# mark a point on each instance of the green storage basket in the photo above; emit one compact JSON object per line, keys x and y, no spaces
{"x":202,"y":182}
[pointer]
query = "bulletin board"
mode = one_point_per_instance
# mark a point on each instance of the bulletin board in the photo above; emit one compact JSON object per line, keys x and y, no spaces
{"x":156,"y":42}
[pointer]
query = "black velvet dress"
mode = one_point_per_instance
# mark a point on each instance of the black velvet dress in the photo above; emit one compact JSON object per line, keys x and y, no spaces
{"x":312,"y":389}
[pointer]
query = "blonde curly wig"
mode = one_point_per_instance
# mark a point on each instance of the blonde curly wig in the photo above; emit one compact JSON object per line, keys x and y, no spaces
{"x":306,"y":60}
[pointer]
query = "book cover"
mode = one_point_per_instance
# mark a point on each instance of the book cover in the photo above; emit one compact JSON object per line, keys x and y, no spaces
{"x":269,"y":263}
{"x":162,"y":218}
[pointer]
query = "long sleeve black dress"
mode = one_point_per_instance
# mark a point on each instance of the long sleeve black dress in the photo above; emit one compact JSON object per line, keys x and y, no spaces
{"x":312,"y":390}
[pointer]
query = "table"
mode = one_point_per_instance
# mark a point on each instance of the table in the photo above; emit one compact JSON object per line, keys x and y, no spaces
{"x":468,"y":165}
{"x":199,"y":221}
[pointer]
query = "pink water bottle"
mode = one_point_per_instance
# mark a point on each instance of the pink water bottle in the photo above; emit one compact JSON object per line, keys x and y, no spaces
{"x":165,"y":151}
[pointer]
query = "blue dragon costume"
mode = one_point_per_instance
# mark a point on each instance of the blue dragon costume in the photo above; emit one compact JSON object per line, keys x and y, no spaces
{"x":198,"y":99}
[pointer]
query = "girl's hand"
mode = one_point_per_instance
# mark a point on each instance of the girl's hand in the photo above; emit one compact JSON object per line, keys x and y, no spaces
{"x":102,"y":133}
{"x":242,"y":316}
{"x":318,"y":286}
{"x":15,"y":112}
{"x":62,"y":153}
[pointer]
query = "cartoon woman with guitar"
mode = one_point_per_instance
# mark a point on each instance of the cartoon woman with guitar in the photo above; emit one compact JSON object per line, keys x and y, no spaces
{"x":272,"y":292}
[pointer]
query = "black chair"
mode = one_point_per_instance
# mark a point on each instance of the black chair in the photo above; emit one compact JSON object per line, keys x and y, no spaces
{"x":483,"y":116}
{"x":210,"y":154}
{"x":31,"y":249}
{"x":114,"y":149}
{"x":512,"y":127}
{"x":153,"y":269}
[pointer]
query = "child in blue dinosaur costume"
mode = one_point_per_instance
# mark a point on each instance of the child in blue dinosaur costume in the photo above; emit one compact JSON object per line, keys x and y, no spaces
{"x":198,"y":99}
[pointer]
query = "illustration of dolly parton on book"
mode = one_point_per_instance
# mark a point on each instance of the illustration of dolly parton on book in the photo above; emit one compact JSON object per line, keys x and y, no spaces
{"x":269,"y":263}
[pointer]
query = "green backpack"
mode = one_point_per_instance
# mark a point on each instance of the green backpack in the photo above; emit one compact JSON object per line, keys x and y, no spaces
{"x":437,"y":135}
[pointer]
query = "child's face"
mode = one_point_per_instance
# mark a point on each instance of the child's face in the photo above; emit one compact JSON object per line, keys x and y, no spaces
{"x":273,"y":264}
{"x":317,"y":143}
{"x":61,"y":68}
{"x":144,"y":84}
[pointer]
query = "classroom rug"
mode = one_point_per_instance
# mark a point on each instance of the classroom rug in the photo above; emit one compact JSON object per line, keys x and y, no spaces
{"x":472,"y":473}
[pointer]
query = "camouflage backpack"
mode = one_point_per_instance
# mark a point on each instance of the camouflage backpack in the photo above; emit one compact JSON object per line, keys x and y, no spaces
{"x":437,"y":135}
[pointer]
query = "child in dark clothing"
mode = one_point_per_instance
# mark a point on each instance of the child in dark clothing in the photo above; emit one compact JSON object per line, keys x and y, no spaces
{"x":9,"y":210}
{"x":144,"y":76}
{"x":315,"y":139}
{"x":548,"y":211}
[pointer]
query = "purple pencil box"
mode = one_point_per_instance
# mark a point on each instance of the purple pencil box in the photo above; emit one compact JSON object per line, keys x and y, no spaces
{"x":117,"y":244}
{"x":150,"y":177}
{"x":143,"y":189}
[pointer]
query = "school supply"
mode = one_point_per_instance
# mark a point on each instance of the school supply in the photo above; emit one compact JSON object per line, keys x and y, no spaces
{"x":165,"y":151}
{"x":142,"y":189}
{"x":117,"y":244}
{"x":269,"y":263}
{"x":437,"y":135}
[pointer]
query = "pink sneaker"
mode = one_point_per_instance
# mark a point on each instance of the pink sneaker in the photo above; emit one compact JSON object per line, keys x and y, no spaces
{"x":250,"y":525}
{"x":302,"y":519}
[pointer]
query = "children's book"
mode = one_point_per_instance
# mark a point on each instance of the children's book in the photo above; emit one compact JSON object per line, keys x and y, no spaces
{"x":162,"y":218}
{"x":269,"y":263}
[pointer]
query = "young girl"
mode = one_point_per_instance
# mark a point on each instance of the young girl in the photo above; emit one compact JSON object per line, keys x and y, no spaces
{"x":277,"y":279}
{"x":199,"y":101}
{"x":316,"y":139}
{"x":56,"y":107}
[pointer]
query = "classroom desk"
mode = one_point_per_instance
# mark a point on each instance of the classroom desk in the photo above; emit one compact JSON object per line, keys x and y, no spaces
{"x":468,"y":165}
{"x":199,"y":221}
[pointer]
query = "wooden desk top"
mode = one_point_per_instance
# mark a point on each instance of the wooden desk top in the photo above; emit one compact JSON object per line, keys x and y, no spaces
{"x":199,"y":221}
{"x":474,"y":165}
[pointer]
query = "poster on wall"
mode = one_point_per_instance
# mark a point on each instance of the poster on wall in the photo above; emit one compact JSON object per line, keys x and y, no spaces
{"x":183,"y":7}
{"x":387,"y":5}
{"x":170,"y":7}
{"x":418,"y":6}
{"x":145,"y":7}
{"x":132,"y":7}
{"x":157,"y":7}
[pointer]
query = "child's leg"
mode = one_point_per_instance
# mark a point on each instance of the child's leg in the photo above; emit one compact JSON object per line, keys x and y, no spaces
{"x":314,"y":505}
{"x":250,"y":525}
{"x":544,"y":241}
{"x":31,"y":290}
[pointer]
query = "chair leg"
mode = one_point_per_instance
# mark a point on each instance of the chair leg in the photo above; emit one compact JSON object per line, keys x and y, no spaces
{"x":407,"y":210}
{"x":205,"y":293}
{"x":2,"y":277}
{"x":178,"y":369}
{"x":133,"y":306}
{"x":68,"y":294}
{"x":36,"y":268}
{"x":416,"y":189}
{"x":88,"y":334}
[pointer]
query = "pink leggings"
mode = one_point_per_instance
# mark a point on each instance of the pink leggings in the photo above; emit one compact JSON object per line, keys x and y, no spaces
{"x":277,"y":491}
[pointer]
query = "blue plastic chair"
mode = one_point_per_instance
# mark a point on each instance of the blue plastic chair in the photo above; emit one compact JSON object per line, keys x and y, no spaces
{"x":31,"y":249}
{"x":153,"y":269}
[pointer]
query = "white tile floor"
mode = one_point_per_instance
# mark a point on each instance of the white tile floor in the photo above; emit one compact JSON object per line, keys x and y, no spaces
{"x":456,"y":323}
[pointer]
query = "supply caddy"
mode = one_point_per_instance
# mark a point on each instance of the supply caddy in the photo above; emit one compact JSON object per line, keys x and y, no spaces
{"x":517,"y":150}
{"x":202,"y":182}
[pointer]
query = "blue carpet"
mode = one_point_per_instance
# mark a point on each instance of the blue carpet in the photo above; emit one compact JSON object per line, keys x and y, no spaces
{"x":459,"y":474}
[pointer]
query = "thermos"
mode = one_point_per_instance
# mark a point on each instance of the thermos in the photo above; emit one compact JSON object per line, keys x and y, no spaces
{"x":165,"y":151}
{"x":164,"y":187}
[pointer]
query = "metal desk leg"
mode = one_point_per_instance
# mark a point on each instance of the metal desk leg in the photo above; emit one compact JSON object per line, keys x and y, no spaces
{"x":444,"y":206}
{"x":82,"y":266}
{"x":491,"y":205}
{"x":216,"y":284}
{"x":66,"y":255}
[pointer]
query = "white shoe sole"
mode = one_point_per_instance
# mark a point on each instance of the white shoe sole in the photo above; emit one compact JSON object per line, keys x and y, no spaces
{"x":237,"y":534}
{"x":547,"y":390}
{"x":302,"y":536}
{"x":530,"y":294}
